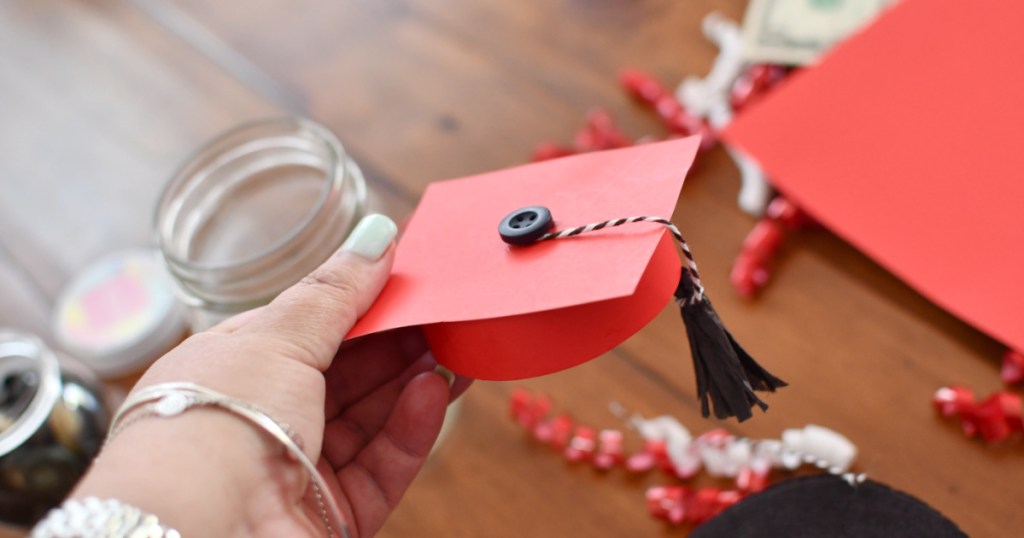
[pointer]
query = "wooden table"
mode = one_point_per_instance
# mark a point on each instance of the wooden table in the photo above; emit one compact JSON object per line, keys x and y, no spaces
{"x":100,"y":99}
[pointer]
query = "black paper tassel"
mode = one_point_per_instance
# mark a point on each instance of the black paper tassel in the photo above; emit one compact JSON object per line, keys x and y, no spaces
{"x":727,"y":376}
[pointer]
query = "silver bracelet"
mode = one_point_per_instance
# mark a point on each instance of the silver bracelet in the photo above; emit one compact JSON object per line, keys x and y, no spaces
{"x":172,"y":399}
{"x":93,"y":518}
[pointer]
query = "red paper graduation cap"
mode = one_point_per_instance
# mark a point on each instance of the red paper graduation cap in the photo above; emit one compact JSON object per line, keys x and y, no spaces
{"x":492,"y":310}
{"x":906,"y":141}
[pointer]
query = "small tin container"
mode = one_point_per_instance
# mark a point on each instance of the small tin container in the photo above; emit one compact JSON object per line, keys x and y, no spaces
{"x":119,"y":313}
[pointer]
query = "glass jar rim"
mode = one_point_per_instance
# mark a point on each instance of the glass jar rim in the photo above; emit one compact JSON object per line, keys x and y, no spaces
{"x":27,"y":352}
{"x":336,"y":156}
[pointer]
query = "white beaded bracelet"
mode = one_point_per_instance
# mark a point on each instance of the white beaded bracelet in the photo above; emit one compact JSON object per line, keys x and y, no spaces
{"x":93,"y":518}
{"x":172,"y":399}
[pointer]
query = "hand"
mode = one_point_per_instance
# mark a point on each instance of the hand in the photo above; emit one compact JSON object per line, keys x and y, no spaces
{"x":368,"y":411}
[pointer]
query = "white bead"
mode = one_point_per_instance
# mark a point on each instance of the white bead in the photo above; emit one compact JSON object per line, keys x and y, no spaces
{"x":740,"y":453}
{"x":171,"y":405}
{"x":755,"y":191}
{"x":790,"y":460}
{"x":698,"y":95}
{"x":717,"y":462}
{"x":828,"y":446}
{"x":664,"y":428}
{"x":769,"y":450}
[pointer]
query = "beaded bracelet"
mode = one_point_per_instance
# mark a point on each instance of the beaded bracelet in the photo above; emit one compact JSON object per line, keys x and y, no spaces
{"x":172,"y":399}
{"x":92,"y":517}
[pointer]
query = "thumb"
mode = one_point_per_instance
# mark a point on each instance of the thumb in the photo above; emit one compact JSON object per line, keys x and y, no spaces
{"x":316,"y":313}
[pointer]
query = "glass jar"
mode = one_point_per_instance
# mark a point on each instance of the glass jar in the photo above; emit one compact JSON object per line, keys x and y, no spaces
{"x":254,"y":211}
{"x":52,"y":424}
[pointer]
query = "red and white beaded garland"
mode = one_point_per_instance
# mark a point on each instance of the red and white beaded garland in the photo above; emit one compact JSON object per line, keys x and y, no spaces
{"x":670,"y":447}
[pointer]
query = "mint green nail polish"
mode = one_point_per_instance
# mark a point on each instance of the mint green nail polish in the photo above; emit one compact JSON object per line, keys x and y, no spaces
{"x":371,"y":237}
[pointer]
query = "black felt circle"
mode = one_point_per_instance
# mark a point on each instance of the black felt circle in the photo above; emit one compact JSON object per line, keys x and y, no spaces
{"x":526,"y":225}
{"x":828,"y":506}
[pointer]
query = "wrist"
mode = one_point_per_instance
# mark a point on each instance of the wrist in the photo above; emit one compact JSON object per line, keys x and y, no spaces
{"x":203,"y":472}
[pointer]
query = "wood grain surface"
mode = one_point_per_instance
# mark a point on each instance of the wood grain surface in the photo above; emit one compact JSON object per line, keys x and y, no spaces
{"x":100,"y":99}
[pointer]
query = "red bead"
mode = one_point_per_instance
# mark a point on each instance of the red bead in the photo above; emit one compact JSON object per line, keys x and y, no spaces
{"x":717,"y":437}
{"x":561,"y":431}
{"x":751,"y":270}
{"x":600,"y":133}
{"x":953,"y":401}
{"x":610,"y":450}
{"x":751,"y":481}
{"x":764,"y":240}
{"x":550,"y":150}
{"x":641,"y":462}
{"x":700,"y":505}
{"x":642,"y":85}
{"x":754,"y":83}
{"x":582,"y":445}
{"x":990,"y":420}
{"x":996,"y":418}
{"x":788,"y":214}
{"x":1013,"y":367}
{"x":520,"y":406}
{"x":1011,"y":405}
{"x":749,"y":274}
{"x":663,"y":500}
{"x":649,"y":90}
{"x":653,"y":455}
{"x":728,"y":497}
{"x":554,"y":432}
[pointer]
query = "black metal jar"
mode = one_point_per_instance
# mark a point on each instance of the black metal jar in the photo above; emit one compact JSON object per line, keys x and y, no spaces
{"x":52,"y":424}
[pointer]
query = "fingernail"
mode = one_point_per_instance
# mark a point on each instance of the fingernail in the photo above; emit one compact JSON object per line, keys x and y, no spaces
{"x":371,"y":237}
{"x":445,"y":373}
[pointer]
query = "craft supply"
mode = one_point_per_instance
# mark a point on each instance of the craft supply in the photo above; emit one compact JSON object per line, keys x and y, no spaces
{"x":119,"y":313}
{"x":755,"y":83}
{"x":52,"y":423}
{"x":701,"y":95}
{"x":827,"y":505}
{"x":994,"y":419}
{"x":677,"y":118}
{"x":548,"y":306}
{"x":726,"y":374}
{"x":669,"y":446}
{"x":711,"y":99}
{"x":599,"y":133}
{"x":254,"y":211}
{"x":1012,"y":371}
{"x":884,"y":169}
{"x":798,"y":32}
{"x":752,"y":268}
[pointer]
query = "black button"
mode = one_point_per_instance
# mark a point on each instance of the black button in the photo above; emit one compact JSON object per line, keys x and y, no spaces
{"x":526,"y":225}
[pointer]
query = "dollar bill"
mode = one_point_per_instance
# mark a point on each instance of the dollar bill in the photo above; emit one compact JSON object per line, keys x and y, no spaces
{"x":796,"y":32}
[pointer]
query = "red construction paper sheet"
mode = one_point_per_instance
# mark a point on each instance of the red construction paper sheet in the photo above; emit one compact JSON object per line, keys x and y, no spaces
{"x":907,"y":141}
{"x":492,"y":311}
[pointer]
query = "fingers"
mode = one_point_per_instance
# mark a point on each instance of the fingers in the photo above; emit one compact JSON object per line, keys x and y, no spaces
{"x":347,"y":434}
{"x":368,"y":363}
{"x":316,"y":313}
{"x":381,"y":473}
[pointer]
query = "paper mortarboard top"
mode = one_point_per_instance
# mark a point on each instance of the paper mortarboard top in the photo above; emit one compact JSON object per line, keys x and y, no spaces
{"x":496,"y":311}
{"x":905,"y":141}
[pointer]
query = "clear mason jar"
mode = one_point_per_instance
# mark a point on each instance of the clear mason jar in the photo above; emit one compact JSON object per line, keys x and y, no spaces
{"x":254,"y":211}
{"x":52,"y":424}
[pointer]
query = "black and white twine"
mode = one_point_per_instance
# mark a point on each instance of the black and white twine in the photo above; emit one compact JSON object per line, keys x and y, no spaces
{"x":698,"y":288}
